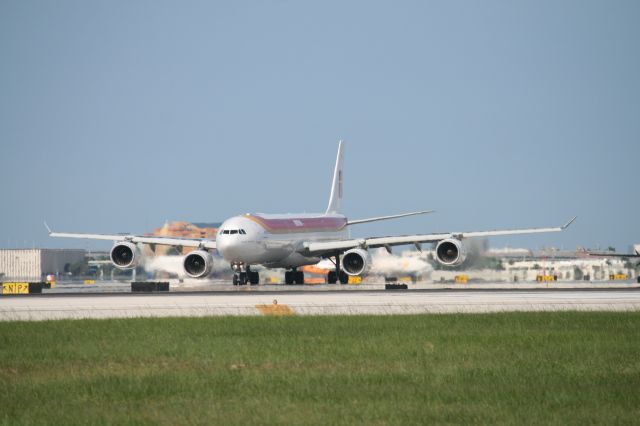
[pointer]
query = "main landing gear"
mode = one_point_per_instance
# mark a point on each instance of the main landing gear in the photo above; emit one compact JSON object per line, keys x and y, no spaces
{"x":294,"y":277}
{"x":242,"y":277}
{"x":332,"y":277}
{"x":338,"y":274}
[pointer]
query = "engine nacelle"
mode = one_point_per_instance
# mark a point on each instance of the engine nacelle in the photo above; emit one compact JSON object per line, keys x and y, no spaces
{"x":355,"y":261}
{"x":125,"y":255}
{"x":451,"y":252}
{"x":198,"y":264}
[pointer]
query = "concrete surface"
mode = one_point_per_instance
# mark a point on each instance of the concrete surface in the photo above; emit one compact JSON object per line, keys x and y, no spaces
{"x":61,"y":306}
{"x":225,"y":286}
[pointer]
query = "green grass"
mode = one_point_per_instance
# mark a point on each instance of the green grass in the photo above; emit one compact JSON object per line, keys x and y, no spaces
{"x":551,"y":368}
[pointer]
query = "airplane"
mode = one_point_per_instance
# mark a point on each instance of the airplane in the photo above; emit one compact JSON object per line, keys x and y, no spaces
{"x":290,"y":241}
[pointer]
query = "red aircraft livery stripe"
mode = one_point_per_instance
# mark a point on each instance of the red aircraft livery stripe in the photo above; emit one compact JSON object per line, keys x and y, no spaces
{"x":299,"y":224}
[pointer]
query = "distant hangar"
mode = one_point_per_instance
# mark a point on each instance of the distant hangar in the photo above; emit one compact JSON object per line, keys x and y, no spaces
{"x":36,"y":264}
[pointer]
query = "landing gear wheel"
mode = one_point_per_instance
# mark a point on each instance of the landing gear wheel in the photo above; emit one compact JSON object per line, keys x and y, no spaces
{"x":254,"y":278}
{"x":338,"y":274}
{"x":242,"y":278}
{"x":298,"y":277}
{"x":288,"y":277}
{"x":235,"y":279}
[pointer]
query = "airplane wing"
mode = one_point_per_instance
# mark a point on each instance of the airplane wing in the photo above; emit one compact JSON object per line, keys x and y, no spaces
{"x":330,"y":247}
{"x":143,"y":239}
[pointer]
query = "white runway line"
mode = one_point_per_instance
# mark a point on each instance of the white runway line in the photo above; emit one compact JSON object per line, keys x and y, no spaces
{"x":338,"y":303}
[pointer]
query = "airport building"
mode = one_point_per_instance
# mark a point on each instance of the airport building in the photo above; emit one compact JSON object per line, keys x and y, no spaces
{"x":596,"y":269}
{"x":36,"y":264}
{"x":503,"y":265}
{"x":185,"y":230}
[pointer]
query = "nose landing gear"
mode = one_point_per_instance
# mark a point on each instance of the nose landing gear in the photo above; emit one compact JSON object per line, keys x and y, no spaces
{"x":244,"y":275}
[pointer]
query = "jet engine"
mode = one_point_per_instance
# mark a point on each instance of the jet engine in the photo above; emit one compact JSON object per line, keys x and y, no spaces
{"x":198,"y":264}
{"x":451,"y":252}
{"x":125,"y":255}
{"x":355,"y":261}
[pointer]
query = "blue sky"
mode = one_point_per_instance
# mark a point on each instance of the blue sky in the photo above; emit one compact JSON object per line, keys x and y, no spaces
{"x":116,"y":116}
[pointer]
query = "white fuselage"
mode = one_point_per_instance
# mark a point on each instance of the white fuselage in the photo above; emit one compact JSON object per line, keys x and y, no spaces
{"x":276,"y":240}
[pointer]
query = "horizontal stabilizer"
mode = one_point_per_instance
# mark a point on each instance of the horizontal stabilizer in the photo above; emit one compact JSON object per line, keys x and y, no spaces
{"x":395,"y":216}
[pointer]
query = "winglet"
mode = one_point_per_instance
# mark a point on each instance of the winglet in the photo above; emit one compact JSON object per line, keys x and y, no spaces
{"x":566,"y":225}
{"x":47,"y":226}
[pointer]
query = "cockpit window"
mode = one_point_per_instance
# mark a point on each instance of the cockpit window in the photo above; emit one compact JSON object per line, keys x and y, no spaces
{"x":233,"y":231}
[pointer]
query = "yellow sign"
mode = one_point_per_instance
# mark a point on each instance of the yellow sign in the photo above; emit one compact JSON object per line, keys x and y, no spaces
{"x":462,"y":279}
{"x":15,"y":288}
{"x":618,"y":277}
{"x":89,"y":281}
{"x":356,"y":279}
{"x":546,"y":278}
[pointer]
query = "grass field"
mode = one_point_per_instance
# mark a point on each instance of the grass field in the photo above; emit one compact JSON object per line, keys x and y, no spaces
{"x":551,"y":368}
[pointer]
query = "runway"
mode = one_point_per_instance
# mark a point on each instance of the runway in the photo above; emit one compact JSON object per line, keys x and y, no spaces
{"x":63,"y":306}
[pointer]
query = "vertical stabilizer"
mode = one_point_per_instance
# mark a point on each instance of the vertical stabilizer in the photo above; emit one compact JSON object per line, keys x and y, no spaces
{"x":335,"y":200}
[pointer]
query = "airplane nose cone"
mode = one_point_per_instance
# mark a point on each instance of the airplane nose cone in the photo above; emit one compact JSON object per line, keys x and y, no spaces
{"x":236,"y":239}
{"x":222,"y":244}
{"x":228,"y":247}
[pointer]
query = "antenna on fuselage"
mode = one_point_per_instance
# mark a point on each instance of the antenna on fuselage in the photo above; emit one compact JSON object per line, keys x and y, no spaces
{"x":335,"y":199}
